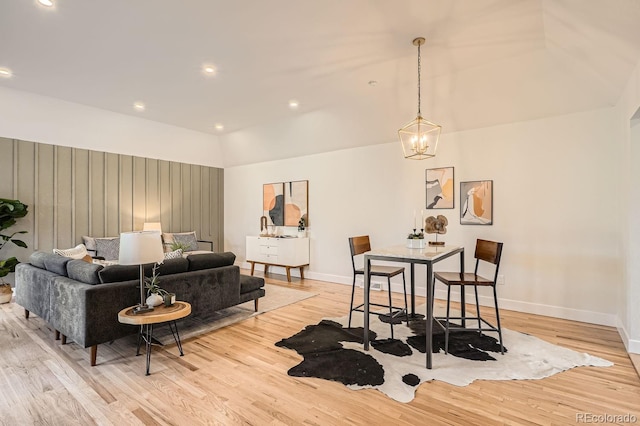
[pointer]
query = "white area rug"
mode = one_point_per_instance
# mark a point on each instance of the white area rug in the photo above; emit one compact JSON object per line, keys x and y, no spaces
{"x":275,"y":297}
{"x":527,"y":357}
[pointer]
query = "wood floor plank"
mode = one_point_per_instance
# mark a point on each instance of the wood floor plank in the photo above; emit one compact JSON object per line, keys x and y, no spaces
{"x":236,"y":376}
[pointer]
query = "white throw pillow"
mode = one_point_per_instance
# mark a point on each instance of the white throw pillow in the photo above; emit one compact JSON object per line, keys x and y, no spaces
{"x":176,"y":254}
{"x":78,"y":252}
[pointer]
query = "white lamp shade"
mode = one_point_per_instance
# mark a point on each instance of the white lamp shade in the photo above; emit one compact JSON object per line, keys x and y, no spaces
{"x":152,"y":226}
{"x":138,"y":248}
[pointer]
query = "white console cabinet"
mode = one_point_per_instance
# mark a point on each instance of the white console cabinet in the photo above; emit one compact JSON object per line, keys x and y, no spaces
{"x":271,"y":251}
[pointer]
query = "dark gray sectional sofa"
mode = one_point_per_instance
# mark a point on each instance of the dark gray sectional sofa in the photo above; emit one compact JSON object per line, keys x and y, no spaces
{"x":81,"y":300}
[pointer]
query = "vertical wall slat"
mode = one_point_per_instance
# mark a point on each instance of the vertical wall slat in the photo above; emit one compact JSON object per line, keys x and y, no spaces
{"x":73,"y":192}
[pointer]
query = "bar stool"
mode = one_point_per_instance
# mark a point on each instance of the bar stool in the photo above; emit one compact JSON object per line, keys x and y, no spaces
{"x":359,"y":245}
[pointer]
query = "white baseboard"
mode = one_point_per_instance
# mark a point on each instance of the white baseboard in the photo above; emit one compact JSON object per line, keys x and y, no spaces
{"x":633,"y":346}
{"x":591,"y":317}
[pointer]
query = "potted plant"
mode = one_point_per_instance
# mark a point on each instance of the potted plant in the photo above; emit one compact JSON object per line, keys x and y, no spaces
{"x":10,"y":210}
{"x":155,"y":294}
{"x":302,"y":223}
{"x":415,"y":239}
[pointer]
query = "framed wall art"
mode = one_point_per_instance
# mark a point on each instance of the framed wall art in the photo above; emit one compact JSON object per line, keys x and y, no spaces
{"x":273,"y":203}
{"x":476,"y":202}
{"x":440,"y":188}
{"x":296,"y":202}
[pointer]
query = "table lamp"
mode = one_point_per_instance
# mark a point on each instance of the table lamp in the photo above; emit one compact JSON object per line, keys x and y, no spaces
{"x":138,"y":248}
{"x":152,"y":226}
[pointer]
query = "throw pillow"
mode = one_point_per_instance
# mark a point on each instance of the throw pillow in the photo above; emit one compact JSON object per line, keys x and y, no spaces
{"x":109,"y":248}
{"x":90,"y":243}
{"x":187,"y":240}
{"x":173,"y":254}
{"x":77,"y":252}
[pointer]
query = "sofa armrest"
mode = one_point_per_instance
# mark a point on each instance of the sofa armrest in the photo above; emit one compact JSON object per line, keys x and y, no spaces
{"x":88,"y":314}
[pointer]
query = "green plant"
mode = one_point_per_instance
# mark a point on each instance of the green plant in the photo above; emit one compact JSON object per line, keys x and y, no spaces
{"x":152,"y":283}
{"x":179,"y":246}
{"x":415,"y":236}
{"x":301,"y":224}
{"x":10,"y":210}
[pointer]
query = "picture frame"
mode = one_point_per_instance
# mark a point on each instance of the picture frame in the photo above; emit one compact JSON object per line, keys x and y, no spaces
{"x":273,"y":203}
{"x":476,"y":202}
{"x":296,"y":202}
{"x":440,"y":188}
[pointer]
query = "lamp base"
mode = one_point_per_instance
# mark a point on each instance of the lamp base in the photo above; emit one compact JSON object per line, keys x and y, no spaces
{"x":436,"y":243}
{"x":141,"y":309}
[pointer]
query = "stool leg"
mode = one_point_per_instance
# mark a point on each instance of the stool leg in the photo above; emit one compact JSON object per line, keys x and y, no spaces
{"x":478,"y":310}
{"x":446,"y":328}
{"x":495,"y":298}
{"x":390,"y":306}
{"x":353,"y":289}
{"x":406,"y":306}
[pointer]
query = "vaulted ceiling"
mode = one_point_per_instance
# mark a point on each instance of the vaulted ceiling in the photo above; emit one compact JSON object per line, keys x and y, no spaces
{"x":485,"y":62}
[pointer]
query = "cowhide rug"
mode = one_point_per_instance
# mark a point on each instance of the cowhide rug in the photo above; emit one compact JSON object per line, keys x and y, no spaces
{"x":397,"y":367}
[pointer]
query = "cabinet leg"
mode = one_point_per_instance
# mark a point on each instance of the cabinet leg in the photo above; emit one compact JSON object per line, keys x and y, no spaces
{"x":266,"y":268}
{"x":288,"y":274}
{"x":302,"y":272}
{"x":253,"y":265}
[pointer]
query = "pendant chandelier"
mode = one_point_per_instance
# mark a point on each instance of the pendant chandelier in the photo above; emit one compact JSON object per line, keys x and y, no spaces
{"x":419,"y":138}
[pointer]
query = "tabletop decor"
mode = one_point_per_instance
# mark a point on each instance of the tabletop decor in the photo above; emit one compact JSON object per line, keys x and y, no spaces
{"x":436,"y":225}
{"x":415,"y":239}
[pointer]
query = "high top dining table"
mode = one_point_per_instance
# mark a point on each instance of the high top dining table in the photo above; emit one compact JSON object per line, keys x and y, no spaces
{"x":423,"y":256}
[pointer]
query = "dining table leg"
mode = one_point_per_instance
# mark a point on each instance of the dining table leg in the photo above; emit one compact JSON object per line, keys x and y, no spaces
{"x":429,"y":319}
{"x":463,"y":305}
{"x":367,"y":284}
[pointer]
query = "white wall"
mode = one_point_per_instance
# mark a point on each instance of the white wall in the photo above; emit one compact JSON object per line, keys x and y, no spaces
{"x":554,"y":194}
{"x":628,"y":124}
{"x":37,"y":118}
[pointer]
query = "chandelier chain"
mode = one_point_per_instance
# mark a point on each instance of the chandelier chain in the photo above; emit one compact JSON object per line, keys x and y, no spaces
{"x":419,"y":70}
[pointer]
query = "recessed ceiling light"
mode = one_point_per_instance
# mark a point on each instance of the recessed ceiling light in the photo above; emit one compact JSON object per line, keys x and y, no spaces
{"x":372,"y":82}
{"x":209,"y":69}
{"x":5,"y":72}
{"x":47,"y":3}
{"x":139,"y":106}
{"x":294,"y":104}
{"x":219,"y":127}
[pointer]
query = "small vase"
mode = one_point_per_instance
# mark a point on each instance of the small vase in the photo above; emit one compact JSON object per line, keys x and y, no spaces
{"x":415,"y":243}
{"x":5,"y":293}
{"x":169,"y":299}
{"x":154,"y":299}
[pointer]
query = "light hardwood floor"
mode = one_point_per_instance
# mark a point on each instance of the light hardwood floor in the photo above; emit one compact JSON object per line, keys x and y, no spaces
{"x":236,"y":375}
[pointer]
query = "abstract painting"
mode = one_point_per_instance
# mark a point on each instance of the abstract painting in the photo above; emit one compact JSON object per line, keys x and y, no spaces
{"x":273,"y":203}
{"x":476,"y":202}
{"x":296,"y":202}
{"x":440,"y":186}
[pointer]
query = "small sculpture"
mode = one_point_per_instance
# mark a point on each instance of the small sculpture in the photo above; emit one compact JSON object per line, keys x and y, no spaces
{"x":263,"y":226}
{"x":436,"y":225}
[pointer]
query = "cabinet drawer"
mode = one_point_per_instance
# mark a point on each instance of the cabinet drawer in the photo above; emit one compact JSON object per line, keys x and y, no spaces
{"x":269,"y":250}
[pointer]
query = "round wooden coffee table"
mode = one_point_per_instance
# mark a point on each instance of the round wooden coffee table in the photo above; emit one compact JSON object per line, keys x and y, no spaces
{"x":146,"y":320}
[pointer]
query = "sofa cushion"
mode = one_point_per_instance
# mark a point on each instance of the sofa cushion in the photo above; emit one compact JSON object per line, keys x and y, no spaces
{"x":37,"y":259}
{"x":82,"y":271}
{"x":249,"y":283}
{"x":56,"y":264}
{"x":172,"y":266}
{"x":117,"y":273}
{"x":210,"y":260}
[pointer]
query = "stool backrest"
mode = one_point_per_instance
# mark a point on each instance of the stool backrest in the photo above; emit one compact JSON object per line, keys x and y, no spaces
{"x":488,"y":251}
{"x":358,"y":245}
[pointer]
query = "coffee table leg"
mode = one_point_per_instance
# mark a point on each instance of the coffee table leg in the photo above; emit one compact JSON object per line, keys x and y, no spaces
{"x":176,"y":335}
{"x":148,"y":341}
{"x":140,"y":331}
